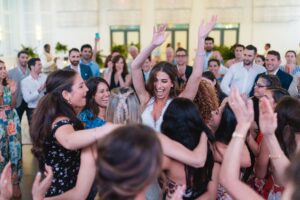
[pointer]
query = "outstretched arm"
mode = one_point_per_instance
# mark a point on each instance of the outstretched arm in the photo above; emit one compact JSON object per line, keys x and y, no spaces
{"x":230,"y":169}
{"x":195,"y":78}
{"x":159,"y":36}
{"x":72,"y":140}
{"x":268,"y":124}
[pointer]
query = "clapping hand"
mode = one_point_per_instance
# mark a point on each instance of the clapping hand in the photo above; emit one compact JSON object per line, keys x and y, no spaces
{"x":267,"y":117}
{"x":205,"y":28}
{"x":243,"y":110}
{"x":159,"y":35}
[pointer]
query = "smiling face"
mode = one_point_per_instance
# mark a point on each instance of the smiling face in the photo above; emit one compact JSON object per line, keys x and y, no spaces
{"x":102,"y":95}
{"x":272,"y":63}
{"x":162,"y":85}
{"x":76,"y":98}
{"x":214,"y":67}
{"x":260,"y":88}
{"x":3,"y":72}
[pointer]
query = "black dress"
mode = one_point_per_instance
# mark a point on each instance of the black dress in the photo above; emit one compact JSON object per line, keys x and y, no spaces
{"x":65,"y":163}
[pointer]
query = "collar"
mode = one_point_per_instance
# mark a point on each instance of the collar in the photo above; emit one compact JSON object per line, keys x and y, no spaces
{"x":275,"y":72}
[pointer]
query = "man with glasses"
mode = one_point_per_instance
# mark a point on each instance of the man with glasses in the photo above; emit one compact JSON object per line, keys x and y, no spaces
{"x":184,"y":70}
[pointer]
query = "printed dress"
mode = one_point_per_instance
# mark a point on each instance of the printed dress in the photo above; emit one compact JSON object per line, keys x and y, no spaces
{"x":10,"y":137}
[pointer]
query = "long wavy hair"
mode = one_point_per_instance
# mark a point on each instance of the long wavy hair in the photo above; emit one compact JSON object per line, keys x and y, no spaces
{"x":167,"y":68}
{"x":129,"y":160}
{"x":182,"y":123}
{"x":288,"y":118}
{"x":4,"y":81}
{"x":92,"y":85}
{"x":51,"y":106}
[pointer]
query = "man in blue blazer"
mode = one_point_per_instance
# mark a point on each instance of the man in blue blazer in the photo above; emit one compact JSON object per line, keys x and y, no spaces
{"x":84,"y":70}
{"x":272,"y":65}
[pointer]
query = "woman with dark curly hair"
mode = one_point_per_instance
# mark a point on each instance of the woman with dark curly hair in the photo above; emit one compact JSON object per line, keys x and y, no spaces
{"x":208,"y":104}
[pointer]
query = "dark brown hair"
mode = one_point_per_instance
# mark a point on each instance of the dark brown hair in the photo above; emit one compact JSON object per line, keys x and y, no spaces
{"x":51,"y":106}
{"x":129,"y":159}
{"x":125,"y":68}
{"x":4,"y":81}
{"x":167,"y":68}
{"x":92,"y":85}
{"x":288,"y":117}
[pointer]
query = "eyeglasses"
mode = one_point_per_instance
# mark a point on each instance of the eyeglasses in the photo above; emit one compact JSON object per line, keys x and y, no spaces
{"x":260,"y":85}
{"x":180,"y":56}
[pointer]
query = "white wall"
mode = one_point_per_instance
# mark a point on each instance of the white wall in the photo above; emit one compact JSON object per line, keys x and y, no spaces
{"x":74,"y":22}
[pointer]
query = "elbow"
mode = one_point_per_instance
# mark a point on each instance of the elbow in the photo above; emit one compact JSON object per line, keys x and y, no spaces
{"x":199,"y":163}
{"x":69,"y":146}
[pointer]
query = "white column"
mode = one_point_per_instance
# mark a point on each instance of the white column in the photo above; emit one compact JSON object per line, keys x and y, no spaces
{"x":197,"y":14}
{"x":147,"y":21}
{"x":246,"y":26}
{"x":103,"y":26}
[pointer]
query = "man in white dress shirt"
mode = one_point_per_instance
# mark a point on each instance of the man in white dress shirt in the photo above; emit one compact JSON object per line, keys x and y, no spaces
{"x":33,"y":86}
{"x":242,"y":75}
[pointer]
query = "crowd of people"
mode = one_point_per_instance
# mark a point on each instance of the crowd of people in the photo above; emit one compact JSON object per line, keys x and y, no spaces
{"x":139,"y":130}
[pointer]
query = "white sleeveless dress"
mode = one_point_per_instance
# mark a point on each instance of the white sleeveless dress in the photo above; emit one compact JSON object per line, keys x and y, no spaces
{"x":154,"y":191}
{"x":147,"y":115}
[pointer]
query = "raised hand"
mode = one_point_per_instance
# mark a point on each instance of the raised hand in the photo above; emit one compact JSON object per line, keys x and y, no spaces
{"x":243,"y":110}
{"x":6,"y":189}
{"x":205,"y":28}
{"x":159,"y":35}
{"x":39,"y":188}
{"x":267,"y":117}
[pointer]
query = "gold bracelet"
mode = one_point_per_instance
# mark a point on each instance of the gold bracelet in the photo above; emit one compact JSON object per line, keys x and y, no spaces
{"x":238,"y":135}
{"x":274,"y":157}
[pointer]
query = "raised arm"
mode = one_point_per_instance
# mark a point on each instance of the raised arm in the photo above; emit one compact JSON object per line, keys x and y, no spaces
{"x":95,"y":49}
{"x":159,"y":37}
{"x":195,"y":158}
{"x":230,"y":169}
{"x":268,"y":124}
{"x":192,"y":85}
{"x":72,"y":140}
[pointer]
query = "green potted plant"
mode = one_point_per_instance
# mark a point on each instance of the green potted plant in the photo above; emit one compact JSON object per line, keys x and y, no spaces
{"x":31,"y":51}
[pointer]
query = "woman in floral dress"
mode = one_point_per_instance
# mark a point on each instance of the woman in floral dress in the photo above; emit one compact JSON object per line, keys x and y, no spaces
{"x":10,"y":130}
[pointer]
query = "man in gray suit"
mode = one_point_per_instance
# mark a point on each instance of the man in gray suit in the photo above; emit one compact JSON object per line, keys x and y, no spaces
{"x":17,"y":74}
